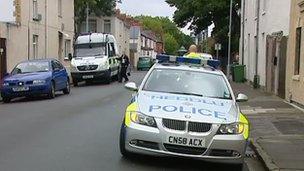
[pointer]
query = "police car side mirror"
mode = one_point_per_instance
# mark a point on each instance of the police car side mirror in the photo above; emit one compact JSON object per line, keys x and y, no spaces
{"x":242,"y":98}
{"x":131,"y":86}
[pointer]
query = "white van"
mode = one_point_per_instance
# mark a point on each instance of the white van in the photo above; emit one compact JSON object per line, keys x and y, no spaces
{"x":95,"y":58}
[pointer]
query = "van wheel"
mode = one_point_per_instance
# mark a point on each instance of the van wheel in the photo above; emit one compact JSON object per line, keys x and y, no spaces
{"x":75,"y":82}
{"x":108,"y":77}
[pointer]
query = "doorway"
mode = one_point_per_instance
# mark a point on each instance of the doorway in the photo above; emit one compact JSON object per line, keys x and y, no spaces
{"x":276,"y":64}
{"x":60,"y":45}
{"x":3,"y":67}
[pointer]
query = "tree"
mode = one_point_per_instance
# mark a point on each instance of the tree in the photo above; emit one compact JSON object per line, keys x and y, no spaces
{"x":98,"y":7}
{"x":171,"y":45}
{"x":203,"y":13}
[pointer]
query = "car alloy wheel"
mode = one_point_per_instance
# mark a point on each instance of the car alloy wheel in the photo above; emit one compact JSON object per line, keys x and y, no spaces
{"x":67,"y":90}
{"x":52,"y":91}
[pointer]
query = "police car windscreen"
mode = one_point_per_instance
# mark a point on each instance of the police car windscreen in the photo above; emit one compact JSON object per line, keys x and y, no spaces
{"x":90,"y":50}
{"x":188,"y":83}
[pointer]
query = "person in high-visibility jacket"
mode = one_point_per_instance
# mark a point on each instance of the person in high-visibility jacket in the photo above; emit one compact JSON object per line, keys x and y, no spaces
{"x":192,"y":53}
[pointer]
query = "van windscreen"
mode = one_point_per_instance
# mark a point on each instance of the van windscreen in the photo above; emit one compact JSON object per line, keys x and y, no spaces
{"x":90,"y":50}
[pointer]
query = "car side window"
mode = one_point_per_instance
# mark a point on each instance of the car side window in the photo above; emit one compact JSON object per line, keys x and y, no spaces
{"x":59,"y":65}
{"x":56,"y":65}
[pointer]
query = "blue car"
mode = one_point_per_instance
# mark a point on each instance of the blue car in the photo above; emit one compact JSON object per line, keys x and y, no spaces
{"x":35,"y":77}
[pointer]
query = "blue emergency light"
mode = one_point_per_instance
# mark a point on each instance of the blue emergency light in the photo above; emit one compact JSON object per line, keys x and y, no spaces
{"x":195,"y":61}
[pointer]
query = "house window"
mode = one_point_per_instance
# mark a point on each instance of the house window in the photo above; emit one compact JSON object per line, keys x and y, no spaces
{"x":298,"y":50}
{"x":92,"y":26}
{"x":264,"y":5}
{"x":67,"y":48}
{"x":60,"y":8}
{"x":257,"y":8}
{"x":107,"y":26}
{"x":35,"y":46}
{"x":35,"y":9}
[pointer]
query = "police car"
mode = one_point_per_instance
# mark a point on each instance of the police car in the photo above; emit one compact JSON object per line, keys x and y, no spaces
{"x":185,"y":108}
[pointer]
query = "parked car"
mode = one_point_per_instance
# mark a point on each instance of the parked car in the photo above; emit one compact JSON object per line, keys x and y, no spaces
{"x":35,"y":77}
{"x":144,"y":63}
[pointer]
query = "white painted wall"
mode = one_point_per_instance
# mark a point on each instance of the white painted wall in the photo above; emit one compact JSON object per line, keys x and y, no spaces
{"x":274,"y":18}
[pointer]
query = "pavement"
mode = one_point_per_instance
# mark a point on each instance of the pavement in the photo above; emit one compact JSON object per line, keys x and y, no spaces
{"x":277,"y":129}
{"x":80,"y":132}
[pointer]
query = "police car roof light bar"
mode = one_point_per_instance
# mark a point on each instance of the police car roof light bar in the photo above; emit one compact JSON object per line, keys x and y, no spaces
{"x":179,"y":59}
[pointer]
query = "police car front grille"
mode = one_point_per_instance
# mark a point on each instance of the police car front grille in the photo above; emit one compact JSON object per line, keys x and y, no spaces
{"x":199,"y":127}
{"x":174,"y":124}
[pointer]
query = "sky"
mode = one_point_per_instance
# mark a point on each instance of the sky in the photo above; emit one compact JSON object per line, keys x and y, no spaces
{"x":148,"y":7}
{"x":6,"y":11}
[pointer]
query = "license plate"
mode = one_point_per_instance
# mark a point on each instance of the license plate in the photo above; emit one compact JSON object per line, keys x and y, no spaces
{"x":19,"y":89}
{"x":87,"y":76}
{"x":191,"y":142}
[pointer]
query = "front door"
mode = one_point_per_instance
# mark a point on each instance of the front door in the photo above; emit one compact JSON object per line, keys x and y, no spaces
{"x":276,"y":65}
{"x":3,"y":59}
{"x":60,"y":49}
{"x":271,"y":63}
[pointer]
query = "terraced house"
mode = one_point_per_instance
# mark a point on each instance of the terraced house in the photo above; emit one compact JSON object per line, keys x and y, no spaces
{"x":33,"y":29}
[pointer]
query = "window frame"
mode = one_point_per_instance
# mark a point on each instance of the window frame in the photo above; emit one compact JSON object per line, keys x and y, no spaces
{"x":35,"y":9}
{"x":298,"y":45}
{"x":35,"y":44}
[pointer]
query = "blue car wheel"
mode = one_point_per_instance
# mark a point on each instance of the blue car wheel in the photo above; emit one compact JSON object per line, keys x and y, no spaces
{"x":52,"y":94}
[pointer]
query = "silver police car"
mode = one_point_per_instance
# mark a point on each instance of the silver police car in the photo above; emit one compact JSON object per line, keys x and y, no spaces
{"x":185,"y":110}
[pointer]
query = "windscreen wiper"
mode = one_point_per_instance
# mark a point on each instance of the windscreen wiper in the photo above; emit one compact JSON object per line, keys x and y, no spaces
{"x":215,"y":97}
{"x":190,"y":94}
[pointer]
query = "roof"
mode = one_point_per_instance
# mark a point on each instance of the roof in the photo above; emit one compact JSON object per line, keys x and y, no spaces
{"x":187,"y":67}
{"x":95,"y":38}
{"x":149,"y":34}
{"x":39,"y":60}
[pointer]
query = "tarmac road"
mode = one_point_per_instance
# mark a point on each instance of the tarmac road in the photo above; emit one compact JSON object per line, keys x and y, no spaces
{"x":75,"y":132}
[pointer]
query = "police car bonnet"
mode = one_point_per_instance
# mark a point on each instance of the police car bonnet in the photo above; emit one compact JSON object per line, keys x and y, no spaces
{"x":180,"y":107}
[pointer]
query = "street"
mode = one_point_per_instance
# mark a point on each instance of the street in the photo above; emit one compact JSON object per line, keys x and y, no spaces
{"x":77,"y":132}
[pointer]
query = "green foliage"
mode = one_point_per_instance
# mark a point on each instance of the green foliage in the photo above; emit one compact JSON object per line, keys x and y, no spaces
{"x":171,"y":45}
{"x":166,"y":30}
{"x":202,"y":13}
{"x":98,"y":7}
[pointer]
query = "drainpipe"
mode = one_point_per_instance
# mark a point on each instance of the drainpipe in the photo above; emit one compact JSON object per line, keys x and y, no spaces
{"x":46,"y":30}
{"x":243,"y":32}
{"x":256,"y":80}
{"x":28,"y":32}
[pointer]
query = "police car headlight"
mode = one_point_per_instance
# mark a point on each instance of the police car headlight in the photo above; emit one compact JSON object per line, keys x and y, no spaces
{"x":235,"y":128}
{"x":142,"y":119}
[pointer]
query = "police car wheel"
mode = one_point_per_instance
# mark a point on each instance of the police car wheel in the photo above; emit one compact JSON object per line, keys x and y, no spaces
{"x":122,"y":141}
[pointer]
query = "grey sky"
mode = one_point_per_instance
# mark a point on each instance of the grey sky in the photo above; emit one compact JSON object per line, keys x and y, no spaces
{"x":148,"y":7}
{"x":6,"y":10}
